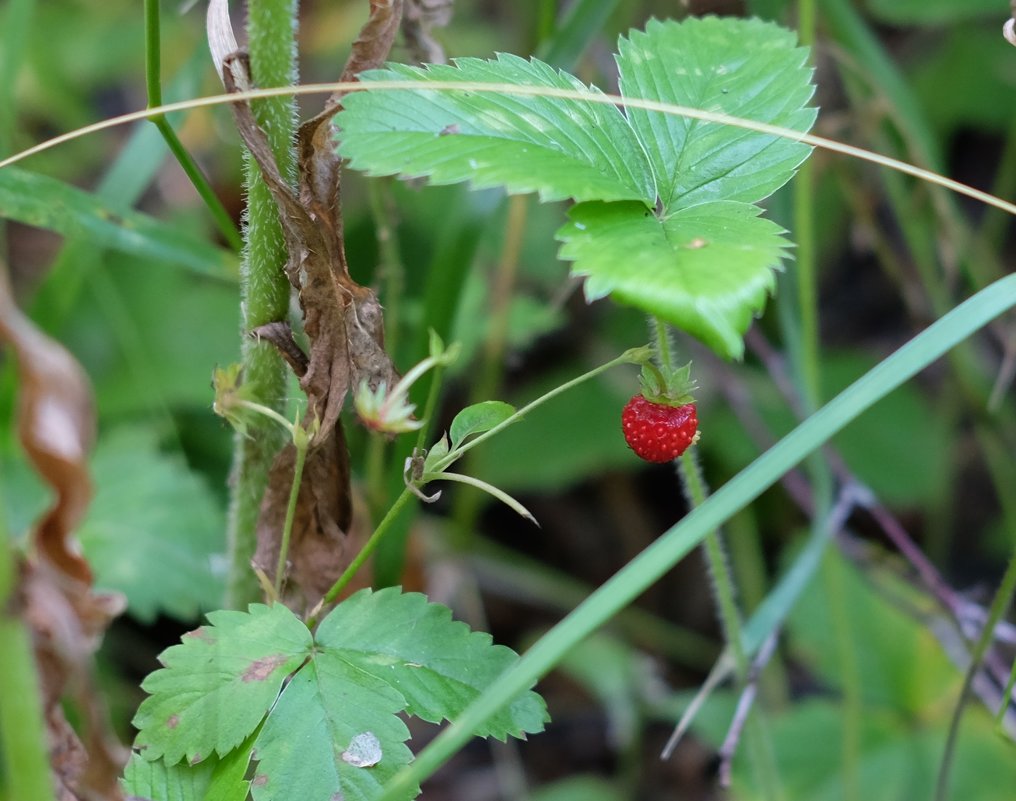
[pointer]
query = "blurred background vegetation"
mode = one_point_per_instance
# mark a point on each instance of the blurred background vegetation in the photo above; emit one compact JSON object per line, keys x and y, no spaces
{"x":857,"y":699}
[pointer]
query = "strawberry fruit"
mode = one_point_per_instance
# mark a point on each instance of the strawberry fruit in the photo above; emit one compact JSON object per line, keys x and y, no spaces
{"x":659,"y":432}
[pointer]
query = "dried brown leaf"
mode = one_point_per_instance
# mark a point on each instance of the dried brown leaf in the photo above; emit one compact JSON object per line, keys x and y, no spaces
{"x":67,"y":622}
{"x":374,"y":43}
{"x":342,"y":319}
{"x":343,"y":322}
{"x":419,"y":18}
{"x":317,"y":548}
{"x":56,"y":427}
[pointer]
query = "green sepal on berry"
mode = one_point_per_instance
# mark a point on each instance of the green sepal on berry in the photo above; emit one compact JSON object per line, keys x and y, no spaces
{"x":669,"y":388}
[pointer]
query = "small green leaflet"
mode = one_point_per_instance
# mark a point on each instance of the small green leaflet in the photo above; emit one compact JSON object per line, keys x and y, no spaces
{"x":744,"y":68}
{"x":437,"y":664}
{"x":322,"y":710}
{"x":212,"y":779}
{"x":478,"y":418}
{"x":669,"y":265}
{"x":157,"y":781}
{"x":328,"y":705}
{"x":647,"y":174}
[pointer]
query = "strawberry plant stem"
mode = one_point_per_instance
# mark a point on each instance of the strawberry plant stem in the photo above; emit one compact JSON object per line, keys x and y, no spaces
{"x":719,"y":569}
{"x":365,"y":552}
{"x":301,"y":442}
{"x":264,"y":288}
{"x":153,"y":83}
{"x":632,"y":356}
{"x":635,"y":355}
{"x":661,"y":342}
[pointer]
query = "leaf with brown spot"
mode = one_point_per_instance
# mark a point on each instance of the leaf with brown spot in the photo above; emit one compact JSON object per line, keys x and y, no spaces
{"x":261,"y":669}
{"x":215,"y":689}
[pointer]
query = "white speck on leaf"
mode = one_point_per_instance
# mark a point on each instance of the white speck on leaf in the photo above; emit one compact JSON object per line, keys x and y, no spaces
{"x":364,"y":751}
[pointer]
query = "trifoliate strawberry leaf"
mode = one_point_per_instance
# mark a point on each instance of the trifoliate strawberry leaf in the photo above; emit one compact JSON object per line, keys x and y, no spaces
{"x":560,"y":148}
{"x":153,"y":529}
{"x":478,"y":418}
{"x":744,"y":68}
{"x":437,"y":664}
{"x":219,"y":683}
{"x":329,"y":716}
{"x":706,"y":269}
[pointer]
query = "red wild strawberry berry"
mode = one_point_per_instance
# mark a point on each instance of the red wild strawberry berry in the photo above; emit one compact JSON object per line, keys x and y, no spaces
{"x":658,"y":432}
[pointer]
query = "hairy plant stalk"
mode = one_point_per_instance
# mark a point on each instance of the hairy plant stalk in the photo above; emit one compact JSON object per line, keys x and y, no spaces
{"x":271,"y":26}
{"x":719,"y":567}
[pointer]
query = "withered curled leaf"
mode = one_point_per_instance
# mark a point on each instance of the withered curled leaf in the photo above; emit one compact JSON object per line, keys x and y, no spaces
{"x":56,"y":427}
{"x":418,"y":20}
{"x":342,"y":320}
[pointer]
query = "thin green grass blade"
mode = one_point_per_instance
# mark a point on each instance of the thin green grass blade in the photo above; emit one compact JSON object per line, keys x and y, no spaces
{"x":677,"y":542}
{"x":583,"y":20}
{"x":47,"y":203}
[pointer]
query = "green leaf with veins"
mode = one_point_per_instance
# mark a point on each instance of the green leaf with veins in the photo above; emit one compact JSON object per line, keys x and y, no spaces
{"x":744,"y":68}
{"x":376,"y":655}
{"x":219,"y":683}
{"x":706,"y":269}
{"x":704,"y":261}
{"x":212,"y":779}
{"x":323,"y":708}
{"x":556,"y":147}
{"x":478,"y":418}
{"x":436,"y":663}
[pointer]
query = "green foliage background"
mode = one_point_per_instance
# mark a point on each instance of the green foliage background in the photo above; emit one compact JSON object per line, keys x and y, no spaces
{"x":133,"y":278}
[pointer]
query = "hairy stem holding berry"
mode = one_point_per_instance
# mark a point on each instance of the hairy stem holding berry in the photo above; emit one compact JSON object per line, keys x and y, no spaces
{"x":719,"y":567}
